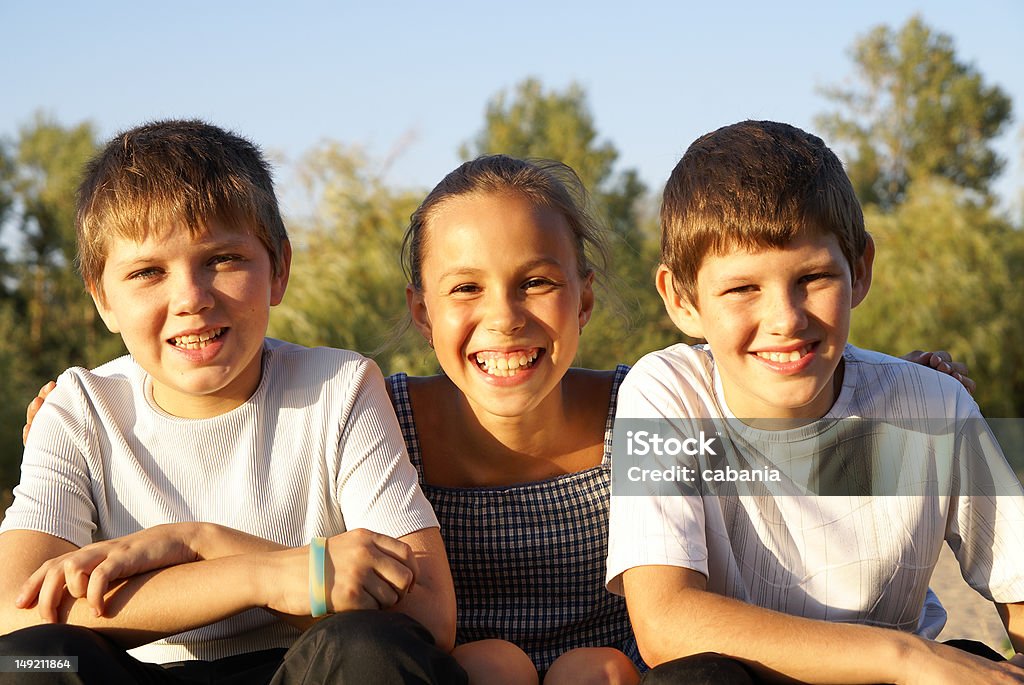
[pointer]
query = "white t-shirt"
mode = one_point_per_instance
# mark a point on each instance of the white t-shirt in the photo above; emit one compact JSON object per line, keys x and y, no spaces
{"x":896,"y":427}
{"x":315,"y":451}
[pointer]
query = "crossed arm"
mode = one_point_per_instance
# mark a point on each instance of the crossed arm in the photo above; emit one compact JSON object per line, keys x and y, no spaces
{"x":173,"y":578}
{"x":662,"y":599}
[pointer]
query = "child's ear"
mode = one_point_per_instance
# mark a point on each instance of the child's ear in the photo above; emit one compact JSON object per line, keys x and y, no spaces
{"x":106,"y":313}
{"x":684,"y":315}
{"x":586,"y":299}
{"x":418,"y":311}
{"x":862,"y":273}
{"x":279,"y":281}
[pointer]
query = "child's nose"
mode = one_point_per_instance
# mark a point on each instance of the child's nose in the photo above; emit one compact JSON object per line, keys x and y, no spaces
{"x":504,"y":313}
{"x":786,"y":314}
{"x":192,"y":294}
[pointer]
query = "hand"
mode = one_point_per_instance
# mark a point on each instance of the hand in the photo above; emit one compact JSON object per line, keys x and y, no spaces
{"x":942,"y":664}
{"x":89,"y":571}
{"x":33,"y":408}
{"x":943,"y":362}
{"x":364,"y":570}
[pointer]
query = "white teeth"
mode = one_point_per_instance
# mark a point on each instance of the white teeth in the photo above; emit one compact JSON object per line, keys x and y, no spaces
{"x":784,"y":357}
{"x":196,"y":342}
{"x":503,"y":366}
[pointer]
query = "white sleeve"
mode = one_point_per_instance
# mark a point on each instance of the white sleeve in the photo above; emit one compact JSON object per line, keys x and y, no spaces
{"x":986,"y":521}
{"x":54,"y":495}
{"x":665,"y":530}
{"x":377,"y":485}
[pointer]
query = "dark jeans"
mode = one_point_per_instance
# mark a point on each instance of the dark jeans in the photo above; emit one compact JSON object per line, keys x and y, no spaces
{"x":715,"y":669}
{"x":351,"y":648}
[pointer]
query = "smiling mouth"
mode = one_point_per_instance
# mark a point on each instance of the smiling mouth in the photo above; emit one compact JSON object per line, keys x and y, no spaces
{"x":786,"y":357}
{"x":504,"y":364}
{"x":196,"y":341}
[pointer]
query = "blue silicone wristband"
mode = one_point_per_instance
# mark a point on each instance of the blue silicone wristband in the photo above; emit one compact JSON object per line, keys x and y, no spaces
{"x":317,"y":585}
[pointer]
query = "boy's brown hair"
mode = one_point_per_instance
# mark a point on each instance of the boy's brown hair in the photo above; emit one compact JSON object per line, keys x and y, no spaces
{"x":174,"y":173}
{"x":749,"y":185}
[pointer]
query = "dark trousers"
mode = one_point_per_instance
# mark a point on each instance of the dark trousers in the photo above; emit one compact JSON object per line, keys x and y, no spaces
{"x":715,"y":669}
{"x":350,"y":648}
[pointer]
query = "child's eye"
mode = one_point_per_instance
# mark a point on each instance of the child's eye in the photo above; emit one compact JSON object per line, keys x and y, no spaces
{"x":144,"y":274}
{"x":224,"y":259}
{"x":815,"y":277}
{"x":740,"y":290}
{"x":535,"y":283}
{"x":464,"y":289}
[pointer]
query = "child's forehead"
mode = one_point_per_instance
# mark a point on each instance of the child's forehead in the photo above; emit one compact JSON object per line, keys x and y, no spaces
{"x":732,"y":253}
{"x":179,"y":234}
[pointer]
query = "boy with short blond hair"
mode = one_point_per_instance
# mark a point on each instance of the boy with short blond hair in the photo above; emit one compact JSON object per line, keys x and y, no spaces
{"x":799,"y":539}
{"x":169,"y":498}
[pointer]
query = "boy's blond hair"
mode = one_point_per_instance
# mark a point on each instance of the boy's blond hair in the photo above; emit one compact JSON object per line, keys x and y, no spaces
{"x":180,"y":174}
{"x":749,"y":185}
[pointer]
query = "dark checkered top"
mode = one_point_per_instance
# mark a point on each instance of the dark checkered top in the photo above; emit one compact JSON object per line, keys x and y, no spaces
{"x":528,"y":560}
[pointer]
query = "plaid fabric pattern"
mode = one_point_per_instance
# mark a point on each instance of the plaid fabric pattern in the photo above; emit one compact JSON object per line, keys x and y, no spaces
{"x":528,"y":560}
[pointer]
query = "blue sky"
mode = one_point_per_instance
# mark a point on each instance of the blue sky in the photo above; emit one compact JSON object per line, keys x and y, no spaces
{"x":415,"y":76}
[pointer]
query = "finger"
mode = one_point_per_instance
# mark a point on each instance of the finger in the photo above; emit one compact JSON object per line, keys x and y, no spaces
{"x":76,"y":580}
{"x":383,"y":592}
{"x":968,"y":383}
{"x":960,"y":368}
{"x":396,"y":549}
{"x":396,"y":574}
{"x":943,"y":355}
{"x":50,"y":594}
{"x":29,"y":591}
{"x":99,"y":581}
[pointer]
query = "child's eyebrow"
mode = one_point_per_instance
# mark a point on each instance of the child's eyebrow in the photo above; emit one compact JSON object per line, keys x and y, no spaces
{"x":526,"y":266}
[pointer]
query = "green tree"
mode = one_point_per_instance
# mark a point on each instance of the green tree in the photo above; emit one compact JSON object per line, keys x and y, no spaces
{"x":347,"y":288}
{"x":47,"y":320}
{"x":529,"y":121}
{"x":942,"y":275}
{"x":916,"y":111}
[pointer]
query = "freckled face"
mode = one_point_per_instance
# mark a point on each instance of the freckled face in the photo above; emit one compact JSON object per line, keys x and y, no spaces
{"x":777,"y":321}
{"x":502,"y":300}
{"x":193,"y":312}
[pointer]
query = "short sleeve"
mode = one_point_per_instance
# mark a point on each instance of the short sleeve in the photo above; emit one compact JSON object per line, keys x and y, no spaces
{"x":986,"y":521}
{"x":652,"y":529}
{"x":377,"y":486}
{"x":54,"y":495}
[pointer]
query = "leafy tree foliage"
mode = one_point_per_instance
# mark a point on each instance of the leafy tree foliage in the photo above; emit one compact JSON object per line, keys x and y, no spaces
{"x":347,"y":288}
{"x":941,"y":279}
{"x":47,"y":321}
{"x":917,"y":111}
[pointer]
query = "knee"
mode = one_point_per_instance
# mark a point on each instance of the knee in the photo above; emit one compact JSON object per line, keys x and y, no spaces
{"x":495,"y":662}
{"x":700,"y":669}
{"x":592,"y":666}
{"x":369,"y":647}
{"x":367,"y":632}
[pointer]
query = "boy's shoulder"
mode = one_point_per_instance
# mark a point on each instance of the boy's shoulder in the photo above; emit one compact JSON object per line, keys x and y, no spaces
{"x":296,"y":365}
{"x":878,"y":383}
{"x":677,"y":378}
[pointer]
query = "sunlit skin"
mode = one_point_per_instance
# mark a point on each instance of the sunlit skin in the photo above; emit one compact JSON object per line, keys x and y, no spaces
{"x":792,"y":303}
{"x":500,"y":276}
{"x":171,"y":285}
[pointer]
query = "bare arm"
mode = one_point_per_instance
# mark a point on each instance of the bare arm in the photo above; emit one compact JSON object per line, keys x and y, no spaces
{"x":663,"y":598}
{"x":431,"y":601}
{"x":140,"y":609}
{"x":85,"y":586}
